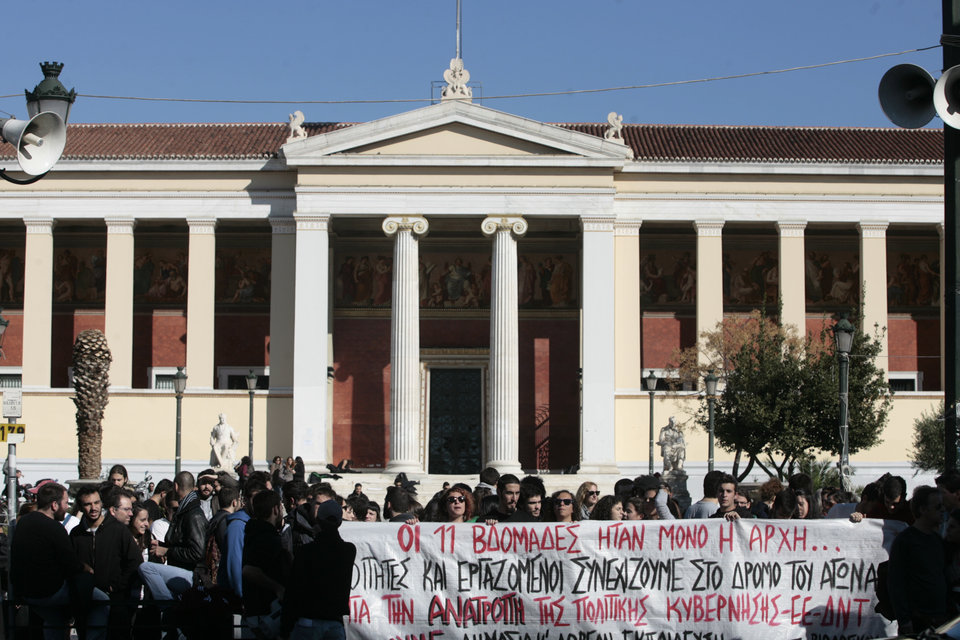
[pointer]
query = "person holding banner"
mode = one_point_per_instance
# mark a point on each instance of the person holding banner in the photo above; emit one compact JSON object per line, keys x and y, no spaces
{"x":456,"y":505}
{"x":727,"y":500}
{"x":564,"y":505}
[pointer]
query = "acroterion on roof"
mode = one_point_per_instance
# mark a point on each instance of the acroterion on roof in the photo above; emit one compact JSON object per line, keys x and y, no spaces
{"x":661,"y":143}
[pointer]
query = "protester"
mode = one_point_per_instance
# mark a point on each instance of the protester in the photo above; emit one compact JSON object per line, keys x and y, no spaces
{"x":171,"y":502}
{"x":726,"y":503}
{"x":45,"y":571}
{"x":230,"y":573}
{"x":634,"y":508}
{"x":531,"y":501}
{"x":399,"y":505}
{"x":917,"y":581}
{"x":564,"y":507}
{"x":707,"y":505}
{"x":804,"y":504}
{"x":654,"y":496}
{"x":768,"y":492}
{"x":456,"y":505}
{"x":587,"y":497}
{"x":299,"y":471}
{"x":153,"y":505}
{"x":318,"y":594}
{"x":118,"y":475}
{"x":608,"y":508}
{"x":206,"y":491}
{"x":784,"y":505}
{"x":508,"y":493}
{"x":266,"y":566}
{"x":949,"y":485}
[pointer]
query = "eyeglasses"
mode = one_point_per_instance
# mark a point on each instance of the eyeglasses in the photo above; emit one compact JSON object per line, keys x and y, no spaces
{"x":455,"y":499}
{"x":566,"y":502}
{"x":593,"y":493}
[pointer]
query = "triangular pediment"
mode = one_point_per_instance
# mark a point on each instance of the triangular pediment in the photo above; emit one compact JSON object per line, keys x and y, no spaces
{"x":459,"y":131}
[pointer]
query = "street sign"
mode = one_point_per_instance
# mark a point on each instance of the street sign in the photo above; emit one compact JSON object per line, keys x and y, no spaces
{"x":13,"y":433}
{"x":12,"y":403}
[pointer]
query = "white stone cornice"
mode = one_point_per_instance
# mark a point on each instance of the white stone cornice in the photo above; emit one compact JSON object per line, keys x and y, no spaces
{"x":120,"y":225}
{"x":491,"y":225}
{"x":627,"y":228}
{"x":791,"y":229}
{"x":202,"y":226}
{"x":312,"y":222}
{"x":708,"y":228}
{"x":597,"y":223}
{"x":39,"y":225}
{"x":416,"y":224}
{"x":281,"y":226}
{"x":786,"y":168}
{"x":873,"y":228}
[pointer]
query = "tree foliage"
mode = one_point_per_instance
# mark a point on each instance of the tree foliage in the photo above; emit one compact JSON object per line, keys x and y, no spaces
{"x":927,"y":452}
{"x":780,"y":400}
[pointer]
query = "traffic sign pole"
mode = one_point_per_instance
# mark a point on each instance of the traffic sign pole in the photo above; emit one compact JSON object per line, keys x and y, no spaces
{"x":12,"y":409}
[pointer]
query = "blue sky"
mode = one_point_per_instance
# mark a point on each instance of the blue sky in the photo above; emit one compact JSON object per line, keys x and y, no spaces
{"x":388,"y":49}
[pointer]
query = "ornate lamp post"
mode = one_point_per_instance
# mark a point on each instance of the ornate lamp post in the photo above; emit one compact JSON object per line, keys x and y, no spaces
{"x":251,"y":379}
{"x":843,"y":336}
{"x":651,"y":383}
{"x":179,"y":385}
{"x":710,"y":381}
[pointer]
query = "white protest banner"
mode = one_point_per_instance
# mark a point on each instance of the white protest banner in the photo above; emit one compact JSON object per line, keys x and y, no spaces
{"x":653,"y":580}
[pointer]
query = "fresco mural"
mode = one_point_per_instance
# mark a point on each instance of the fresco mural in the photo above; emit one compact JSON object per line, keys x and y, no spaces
{"x":831,"y":270}
{"x":668,"y":276}
{"x":913,"y":273}
{"x":243,"y":276}
{"x":79,"y":274}
{"x":11,"y":276}
{"x":751,"y":275}
{"x":160,"y":271}
{"x":456,"y":279}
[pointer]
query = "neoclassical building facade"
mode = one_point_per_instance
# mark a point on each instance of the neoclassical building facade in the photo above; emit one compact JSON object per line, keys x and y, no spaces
{"x":452,"y":286}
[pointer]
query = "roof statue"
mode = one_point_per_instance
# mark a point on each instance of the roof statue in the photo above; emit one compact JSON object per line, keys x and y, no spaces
{"x":296,"y":126}
{"x":457,"y":78}
{"x":615,"y":129}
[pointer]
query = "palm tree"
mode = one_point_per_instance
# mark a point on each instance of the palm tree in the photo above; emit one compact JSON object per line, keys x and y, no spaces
{"x":91,"y":366}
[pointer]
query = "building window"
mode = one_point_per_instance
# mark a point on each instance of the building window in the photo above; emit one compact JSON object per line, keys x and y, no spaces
{"x":11,"y":377}
{"x":161,"y":377}
{"x":236,"y":377}
{"x":901,"y":381}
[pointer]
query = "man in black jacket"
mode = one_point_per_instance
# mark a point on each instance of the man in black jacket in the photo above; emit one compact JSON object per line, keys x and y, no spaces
{"x":184,"y":545}
{"x":106,"y":544}
{"x":318,"y":594}
{"x":266,"y":566}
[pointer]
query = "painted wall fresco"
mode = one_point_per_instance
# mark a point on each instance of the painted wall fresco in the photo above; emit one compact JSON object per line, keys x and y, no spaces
{"x":913,"y":274}
{"x":751,"y":276}
{"x":456,"y":279}
{"x":668,"y":275}
{"x":79,"y":272}
{"x":243,"y":276}
{"x":160,"y":269}
{"x":831,"y":269}
{"x":11,"y":275}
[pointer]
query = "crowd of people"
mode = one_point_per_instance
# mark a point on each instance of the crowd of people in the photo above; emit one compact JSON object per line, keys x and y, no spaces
{"x":267,"y":545}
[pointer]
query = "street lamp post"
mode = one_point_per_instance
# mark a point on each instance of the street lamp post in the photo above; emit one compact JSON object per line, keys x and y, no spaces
{"x":651,"y":383}
{"x":251,"y":379}
{"x":710,"y":381}
{"x":843,"y":336}
{"x":179,"y":385}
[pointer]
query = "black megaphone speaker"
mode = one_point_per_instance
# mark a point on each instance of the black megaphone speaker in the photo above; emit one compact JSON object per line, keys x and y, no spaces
{"x":905,"y":96}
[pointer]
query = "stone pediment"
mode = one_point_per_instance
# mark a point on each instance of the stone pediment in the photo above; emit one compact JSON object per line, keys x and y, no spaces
{"x":455,"y":133}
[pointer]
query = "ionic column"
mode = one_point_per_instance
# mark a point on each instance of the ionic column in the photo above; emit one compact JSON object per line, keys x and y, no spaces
{"x":503,"y":418}
{"x":709,"y":274}
{"x":792,"y":280}
{"x":873,"y":281}
{"x":598,"y":445}
{"x":310,"y":327}
{"x":37,"y":302}
{"x":202,"y":262}
{"x":118,"y":309}
{"x":405,"y":451}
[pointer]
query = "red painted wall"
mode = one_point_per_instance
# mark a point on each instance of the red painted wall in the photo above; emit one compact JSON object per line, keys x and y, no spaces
{"x":158,"y":341}
{"x":661,"y":336}
{"x":914,"y":345}
{"x":66,"y":326}
{"x":241,"y":340}
{"x":13,"y":339}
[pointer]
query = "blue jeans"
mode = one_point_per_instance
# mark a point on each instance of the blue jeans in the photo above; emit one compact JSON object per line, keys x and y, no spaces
{"x":55,"y":611}
{"x":307,"y":629}
{"x":164,"y":581}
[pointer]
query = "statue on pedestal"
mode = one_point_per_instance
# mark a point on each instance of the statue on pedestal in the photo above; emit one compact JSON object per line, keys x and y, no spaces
{"x":223,"y":446}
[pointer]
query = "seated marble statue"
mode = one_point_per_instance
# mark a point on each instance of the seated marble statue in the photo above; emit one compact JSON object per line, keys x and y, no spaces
{"x":672,"y":446}
{"x":223,"y":445}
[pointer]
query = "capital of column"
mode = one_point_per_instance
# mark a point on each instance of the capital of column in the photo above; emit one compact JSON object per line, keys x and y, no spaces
{"x":202,"y":225}
{"x":281,"y":226}
{"x":873,"y":228}
{"x":312,"y":221}
{"x":629,"y":228}
{"x":597,"y":223}
{"x":39,"y":225}
{"x":416,"y":224}
{"x":490,"y":226}
{"x":708,"y":228}
{"x":120,"y":225}
{"x":792,"y":229}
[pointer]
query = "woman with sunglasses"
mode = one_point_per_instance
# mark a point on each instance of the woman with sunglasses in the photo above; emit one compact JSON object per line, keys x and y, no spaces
{"x":587,"y":497}
{"x":564,"y":507}
{"x":456,"y":505}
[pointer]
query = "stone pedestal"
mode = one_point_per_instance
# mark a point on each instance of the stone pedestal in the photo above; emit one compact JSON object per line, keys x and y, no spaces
{"x":677,"y":479}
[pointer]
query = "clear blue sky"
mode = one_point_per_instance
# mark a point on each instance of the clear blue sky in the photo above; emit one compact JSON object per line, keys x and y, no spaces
{"x":383,"y":49}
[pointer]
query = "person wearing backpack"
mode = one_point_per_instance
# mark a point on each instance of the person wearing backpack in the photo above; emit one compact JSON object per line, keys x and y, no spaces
{"x":206,"y":573}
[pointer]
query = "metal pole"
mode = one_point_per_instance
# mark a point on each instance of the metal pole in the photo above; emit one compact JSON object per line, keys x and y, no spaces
{"x":458,"y":29}
{"x":710,"y":404}
{"x":176,"y":463}
{"x":250,"y":446}
{"x":951,"y":283}
{"x":844,"y":427}
{"x":12,"y":498}
{"x":651,"y":433}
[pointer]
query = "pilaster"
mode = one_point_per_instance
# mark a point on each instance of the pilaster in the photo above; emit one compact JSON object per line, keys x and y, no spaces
{"x":118,"y":309}
{"x":37,"y":302}
{"x":873,"y":281}
{"x":709,"y":274}
{"x":792,"y":280}
{"x":200,"y":302}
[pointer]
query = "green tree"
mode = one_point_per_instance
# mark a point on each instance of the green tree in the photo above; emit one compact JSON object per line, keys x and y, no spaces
{"x":780,"y":403}
{"x":927,"y":452}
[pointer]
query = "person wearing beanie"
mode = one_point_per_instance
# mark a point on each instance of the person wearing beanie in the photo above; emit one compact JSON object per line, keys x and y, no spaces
{"x":318,"y":594}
